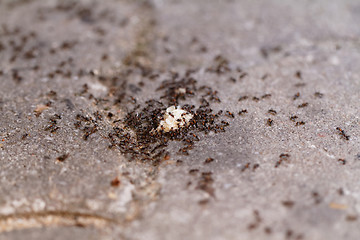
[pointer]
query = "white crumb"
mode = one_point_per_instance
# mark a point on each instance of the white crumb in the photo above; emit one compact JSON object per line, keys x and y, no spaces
{"x":174,"y":118}
{"x":180,"y":90}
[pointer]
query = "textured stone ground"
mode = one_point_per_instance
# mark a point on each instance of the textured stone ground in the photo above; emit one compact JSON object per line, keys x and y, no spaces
{"x":285,"y":75}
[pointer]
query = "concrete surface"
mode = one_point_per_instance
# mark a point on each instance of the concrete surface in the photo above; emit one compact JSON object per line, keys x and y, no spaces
{"x":78,"y":159}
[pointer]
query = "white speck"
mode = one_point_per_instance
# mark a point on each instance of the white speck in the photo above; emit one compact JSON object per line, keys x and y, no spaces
{"x":98,"y":87}
{"x":63,"y":170}
{"x":6,"y":210}
{"x":19,"y":203}
{"x":174,"y":118}
{"x":48,"y":138}
{"x":95,"y":72}
{"x":334,"y":60}
{"x":93,"y":204}
{"x":122,"y":199}
{"x":38,"y":205}
{"x":310,"y":58}
{"x":181,"y":90}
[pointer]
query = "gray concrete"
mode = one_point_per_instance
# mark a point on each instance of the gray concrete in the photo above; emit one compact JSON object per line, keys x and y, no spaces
{"x":273,"y":176}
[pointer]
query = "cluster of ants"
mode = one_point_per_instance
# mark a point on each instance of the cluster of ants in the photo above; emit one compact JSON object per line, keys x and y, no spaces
{"x":135,"y":136}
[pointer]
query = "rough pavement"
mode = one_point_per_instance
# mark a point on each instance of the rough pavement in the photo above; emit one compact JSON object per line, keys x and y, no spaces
{"x":273,"y":149}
